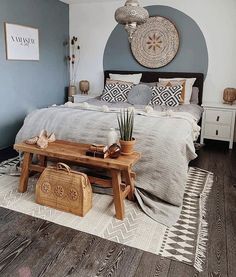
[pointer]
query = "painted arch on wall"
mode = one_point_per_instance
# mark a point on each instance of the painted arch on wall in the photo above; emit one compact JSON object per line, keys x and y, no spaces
{"x":192,"y":55}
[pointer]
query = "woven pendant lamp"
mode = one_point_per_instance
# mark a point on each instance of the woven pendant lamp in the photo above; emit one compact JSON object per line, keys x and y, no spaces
{"x":131,"y":15}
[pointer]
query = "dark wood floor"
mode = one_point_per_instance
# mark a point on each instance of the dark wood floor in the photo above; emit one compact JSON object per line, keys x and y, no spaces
{"x":7,"y":153}
{"x":33,"y":247}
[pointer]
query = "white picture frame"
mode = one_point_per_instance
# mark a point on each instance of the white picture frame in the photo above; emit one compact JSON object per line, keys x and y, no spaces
{"x":22,"y":42}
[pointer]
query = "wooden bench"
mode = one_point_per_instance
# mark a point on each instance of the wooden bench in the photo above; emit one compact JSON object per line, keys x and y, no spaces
{"x":122,"y":177}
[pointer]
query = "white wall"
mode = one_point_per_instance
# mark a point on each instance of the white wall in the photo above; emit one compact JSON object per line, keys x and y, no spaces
{"x":94,"y":21}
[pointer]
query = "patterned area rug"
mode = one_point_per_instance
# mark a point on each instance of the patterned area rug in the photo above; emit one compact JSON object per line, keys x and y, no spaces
{"x":185,"y":241}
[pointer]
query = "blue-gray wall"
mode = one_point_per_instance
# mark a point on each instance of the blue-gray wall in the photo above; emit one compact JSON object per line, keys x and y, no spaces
{"x":26,"y":85}
{"x":191,"y":57}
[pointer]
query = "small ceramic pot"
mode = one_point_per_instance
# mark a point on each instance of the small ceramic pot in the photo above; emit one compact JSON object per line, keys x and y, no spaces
{"x":229,"y":95}
{"x":127,"y":147}
{"x":84,"y":86}
{"x":71,"y":91}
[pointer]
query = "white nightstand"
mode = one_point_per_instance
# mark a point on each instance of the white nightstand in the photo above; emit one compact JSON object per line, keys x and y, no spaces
{"x":218,"y":122}
{"x":80,"y":98}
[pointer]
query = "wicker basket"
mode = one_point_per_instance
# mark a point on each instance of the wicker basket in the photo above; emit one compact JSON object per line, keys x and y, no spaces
{"x":63,"y":189}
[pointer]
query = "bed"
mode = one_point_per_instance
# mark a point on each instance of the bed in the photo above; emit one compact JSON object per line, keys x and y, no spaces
{"x":165,"y":138}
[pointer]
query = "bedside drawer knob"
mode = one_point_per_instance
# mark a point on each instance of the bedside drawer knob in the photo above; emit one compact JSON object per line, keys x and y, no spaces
{"x":218,"y":118}
{"x":217,"y":132}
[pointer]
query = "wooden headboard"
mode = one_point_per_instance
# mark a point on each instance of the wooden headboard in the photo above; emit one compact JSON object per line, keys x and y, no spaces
{"x":150,"y":76}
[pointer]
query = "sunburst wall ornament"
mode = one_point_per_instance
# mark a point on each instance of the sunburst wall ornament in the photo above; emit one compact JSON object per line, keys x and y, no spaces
{"x":155,"y":43}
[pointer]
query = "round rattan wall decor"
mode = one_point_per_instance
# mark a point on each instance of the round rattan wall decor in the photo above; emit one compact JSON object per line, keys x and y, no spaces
{"x":155,"y":43}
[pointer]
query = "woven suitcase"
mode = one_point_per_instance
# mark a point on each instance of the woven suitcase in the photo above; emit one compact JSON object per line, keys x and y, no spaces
{"x":63,"y":189}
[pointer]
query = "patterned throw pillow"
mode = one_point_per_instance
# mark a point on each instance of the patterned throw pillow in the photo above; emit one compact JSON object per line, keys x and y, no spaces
{"x":166,"y":96}
{"x":116,"y":92}
{"x":189,"y":82}
{"x":178,"y":83}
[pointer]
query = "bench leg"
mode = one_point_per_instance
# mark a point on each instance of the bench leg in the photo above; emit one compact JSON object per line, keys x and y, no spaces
{"x":25,"y":172}
{"x":42,"y":160}
{"x":118,"y":199}
{"x":129,"y":181}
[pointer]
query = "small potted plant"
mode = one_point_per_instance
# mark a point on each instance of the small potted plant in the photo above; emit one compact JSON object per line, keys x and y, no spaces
{"x":73,"y":63}
{"x":126,"y":125}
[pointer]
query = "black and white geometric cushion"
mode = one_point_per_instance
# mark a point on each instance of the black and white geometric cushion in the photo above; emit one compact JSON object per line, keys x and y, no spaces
{"x":116,"y":92}
{"x":166,"y":96}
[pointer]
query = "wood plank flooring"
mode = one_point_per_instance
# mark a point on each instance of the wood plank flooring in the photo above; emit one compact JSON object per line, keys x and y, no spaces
{"x":33,"y":247}
{"x":7,"y":153}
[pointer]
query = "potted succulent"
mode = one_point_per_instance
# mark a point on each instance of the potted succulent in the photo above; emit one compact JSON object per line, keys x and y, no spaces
{"x":126,"y":125}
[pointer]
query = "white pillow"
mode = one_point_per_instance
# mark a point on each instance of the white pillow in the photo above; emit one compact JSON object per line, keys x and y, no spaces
{"x":188,"y":86}
{"x":132,"y":78}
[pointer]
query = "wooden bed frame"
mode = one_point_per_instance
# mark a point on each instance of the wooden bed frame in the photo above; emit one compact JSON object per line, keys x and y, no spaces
{"x":150,"y":76}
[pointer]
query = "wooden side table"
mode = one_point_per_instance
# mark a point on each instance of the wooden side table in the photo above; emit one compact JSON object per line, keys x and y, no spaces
{"x":218,"y":122}
{"x":80,"y":98}
{"x":122,"y":176}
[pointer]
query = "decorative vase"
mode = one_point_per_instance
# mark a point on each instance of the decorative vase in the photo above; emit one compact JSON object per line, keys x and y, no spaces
{"x":229,"y":95}
{"x":112,"y":137}
{"x":127,"y":147}
{"x":84,"y":86}
{"x":71,"y":91}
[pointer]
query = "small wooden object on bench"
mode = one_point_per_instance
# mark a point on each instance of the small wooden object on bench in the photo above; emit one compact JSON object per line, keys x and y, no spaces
{"x":75,"y":152}
{"x":63,"y":189}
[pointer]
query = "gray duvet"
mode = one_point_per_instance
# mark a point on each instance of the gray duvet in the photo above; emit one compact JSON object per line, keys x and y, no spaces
{"x":165,"y":141}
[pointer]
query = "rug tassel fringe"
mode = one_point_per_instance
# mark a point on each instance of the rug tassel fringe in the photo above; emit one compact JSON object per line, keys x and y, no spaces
{"x":203,"y":226}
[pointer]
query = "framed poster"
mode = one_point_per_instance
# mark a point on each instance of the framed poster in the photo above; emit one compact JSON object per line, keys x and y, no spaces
{"x":22,"y":42}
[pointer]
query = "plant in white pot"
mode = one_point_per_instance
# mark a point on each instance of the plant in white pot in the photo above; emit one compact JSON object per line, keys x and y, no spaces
{"x":73,"y":62}
{"x":126,"y":126}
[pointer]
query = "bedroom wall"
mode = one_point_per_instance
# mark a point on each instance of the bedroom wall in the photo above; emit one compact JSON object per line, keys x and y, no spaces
{"x":27,"y":85}
{"x":93,"y":24}
{"x":192,"y":55}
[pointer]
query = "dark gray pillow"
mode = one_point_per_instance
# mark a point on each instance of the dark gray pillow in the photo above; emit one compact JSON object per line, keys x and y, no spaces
{"x":140,"y":95}
{"x":194,"y":96}
{"x":154,"y":84}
